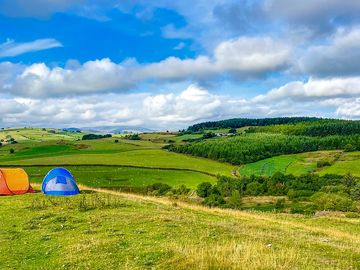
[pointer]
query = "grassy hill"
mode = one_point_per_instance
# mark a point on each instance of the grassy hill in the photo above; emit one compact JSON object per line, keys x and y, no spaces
{"x":105,"y":228}
{"x":124,"y":231}
{"x":106,"y":163}
{"x":337,"y":162}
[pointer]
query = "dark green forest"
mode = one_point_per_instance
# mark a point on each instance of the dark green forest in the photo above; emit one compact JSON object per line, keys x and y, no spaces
{"x":249,"y":148}
{"x":244,"y":122}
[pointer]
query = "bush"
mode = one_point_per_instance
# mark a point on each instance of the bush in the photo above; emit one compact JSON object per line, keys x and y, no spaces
{"x":158,"y":189}
{"x":322,"y":163}
{"x":204,"y":189}
{"x":349,"y":148}
{"x":355,"y":192}
{"x":182,"y":190}
{"x":254,"y":189}
{"x":95,"y":136}
{"x":209,"y":135}
{"x":134,"y":137}
{"x":349,"y":181}
{"x":12,"y":151}
{"x":116,"y":141}
{"x":235,"y":200}
{"x":336,"y":202}
{"x":214,"y":200}
{"x":280,"y":204}
{"x":333,"y":189}
{"x":295,"y":194}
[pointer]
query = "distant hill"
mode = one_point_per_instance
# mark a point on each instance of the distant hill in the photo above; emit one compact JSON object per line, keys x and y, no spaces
{"x":112,"y":129}
{"x":243,"y":122}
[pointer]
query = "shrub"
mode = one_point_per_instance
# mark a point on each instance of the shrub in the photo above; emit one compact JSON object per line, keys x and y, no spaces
{"x":158,"y":189}
{"x":254,"y":189}
{"x":295,"y":194}
{"x":182,"y":190}
{"x":355,"y":192}
{"x":349,"y":148}
{"x":322,"y":163}
{"x":333,"y":189}
{"x":280,"y":204}
{"x":214,"y":200}
{"x":116,"y":141}
{"x":134,"y":137}
{"x":337,"y":202}
{"x":204,"y":189}
{"x":235,"y":200}
{"x":95,"y":136}
{"x":209,"y":135}
{"x":12,"y":151}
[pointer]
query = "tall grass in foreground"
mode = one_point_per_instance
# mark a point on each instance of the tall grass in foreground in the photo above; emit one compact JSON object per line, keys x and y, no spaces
{"x":238,"y":255}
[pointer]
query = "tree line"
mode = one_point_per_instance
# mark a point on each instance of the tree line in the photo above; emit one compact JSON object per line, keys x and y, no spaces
{"x":317,"y":128}
{"x":249,"y":148}
{"x":328,"y":192}
{"x":244,"y":122}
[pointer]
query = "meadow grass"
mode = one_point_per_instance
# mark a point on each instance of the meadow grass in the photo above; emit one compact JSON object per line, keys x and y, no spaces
{"x":38,"y":134}
{"x":298,"y":164}
{"x":347,"y":163}
{"x":108,"y":231}
{"x":125,"y":178}
{"x":140,"y":158}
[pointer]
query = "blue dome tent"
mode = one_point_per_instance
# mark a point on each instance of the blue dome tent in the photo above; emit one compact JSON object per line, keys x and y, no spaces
{"x":59,"y":182}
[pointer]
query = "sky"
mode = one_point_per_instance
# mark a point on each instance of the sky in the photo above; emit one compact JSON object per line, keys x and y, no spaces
{"x":168,"y":64}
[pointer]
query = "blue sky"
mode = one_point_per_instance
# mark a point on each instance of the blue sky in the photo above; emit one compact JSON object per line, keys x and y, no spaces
{"x":167,"y":64}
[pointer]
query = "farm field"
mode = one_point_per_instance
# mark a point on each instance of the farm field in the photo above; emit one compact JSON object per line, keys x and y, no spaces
{"x":130,"y":164}
{"x":339,"y":163}
{"x":139,"y":158}
{"x":135,"y":232}
{"x":115,"y":177}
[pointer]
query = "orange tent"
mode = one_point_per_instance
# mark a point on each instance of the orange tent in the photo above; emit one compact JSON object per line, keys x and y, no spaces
{"x":14,"y":181}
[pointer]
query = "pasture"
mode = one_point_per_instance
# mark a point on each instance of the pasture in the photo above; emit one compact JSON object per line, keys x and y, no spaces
{"x":124,"y":231}
{"x":125,"y":164}
{"x":339,"y":162}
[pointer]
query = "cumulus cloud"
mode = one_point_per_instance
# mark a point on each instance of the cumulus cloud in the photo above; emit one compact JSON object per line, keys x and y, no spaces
{"x":315,"y":89}
{"x":10,"y":48}
{"x":256,"y":54}
{"x":337,"y":58}
{"x":165,"y":111}
{"x":243,"y":57}
{"x":171,"y":110}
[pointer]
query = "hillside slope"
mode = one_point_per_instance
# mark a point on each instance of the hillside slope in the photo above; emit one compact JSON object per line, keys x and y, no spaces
{"x":135,"y":232}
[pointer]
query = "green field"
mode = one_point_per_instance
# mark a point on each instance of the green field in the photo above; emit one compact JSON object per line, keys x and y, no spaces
{"x":140,"y":158}
{"x":340,"y":163}
{"x":115,"y":177}
{"x":38,"y":135}
{"x":125,"y":164}
{"x":102,"y":231}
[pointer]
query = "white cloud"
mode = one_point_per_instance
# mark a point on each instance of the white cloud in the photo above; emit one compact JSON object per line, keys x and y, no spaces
{"x":350,"y":109}
{"x":10,"y":48}
{"x":315,"y":89}
{"x":243,"y":57}
{"x":256,"y":54}
{"x":165,"y":111}
{"x":337,"y":58}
